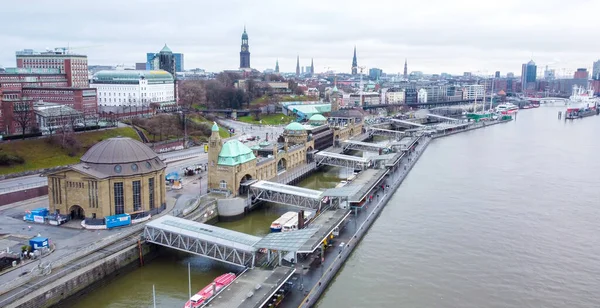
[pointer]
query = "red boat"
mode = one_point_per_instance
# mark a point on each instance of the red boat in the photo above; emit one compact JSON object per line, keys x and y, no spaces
{"x":207,"y":292}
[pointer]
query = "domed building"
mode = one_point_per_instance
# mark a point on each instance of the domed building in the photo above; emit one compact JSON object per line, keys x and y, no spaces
{"x":115,"y":176}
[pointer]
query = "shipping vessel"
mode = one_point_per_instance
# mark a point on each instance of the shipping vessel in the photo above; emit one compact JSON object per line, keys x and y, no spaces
{"x":207,"y":292}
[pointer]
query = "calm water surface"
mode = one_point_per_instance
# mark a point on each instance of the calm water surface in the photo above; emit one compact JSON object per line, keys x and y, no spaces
{"x":507,"y":216}
{"x":169,"y":271}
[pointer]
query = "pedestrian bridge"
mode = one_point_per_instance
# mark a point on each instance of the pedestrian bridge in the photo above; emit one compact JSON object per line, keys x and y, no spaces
{"x":407,"y":123}
{"x":374,"y":131}
{"x":216,"y":243}
{"x":439,"y":117}
{"x":287,"y":194}
{"x":364,"y":146}
{"x":341,"y":160}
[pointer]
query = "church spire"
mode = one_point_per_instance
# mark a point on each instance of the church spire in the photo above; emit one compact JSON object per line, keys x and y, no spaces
{"x":405,"y":68}
{"x":277,"y":66}
{"x":354,"y":63}
{"x":312,"y":67}
{"x":298,"y":66}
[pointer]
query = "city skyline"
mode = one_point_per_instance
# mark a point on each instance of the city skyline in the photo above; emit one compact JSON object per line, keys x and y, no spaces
{"x":460,"y":37}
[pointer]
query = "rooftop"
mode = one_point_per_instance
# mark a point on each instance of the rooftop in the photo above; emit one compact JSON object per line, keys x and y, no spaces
{"x":318,"y":118}
{"x":36,"y":71}
{"x":205,"y":232}
{"x":234,"y":153}
{"x":166,"y":49}
{"x":295,"y":126}
{"x":290,"y":241}
{"x":118,"y":150}
{"x":132,"y":77}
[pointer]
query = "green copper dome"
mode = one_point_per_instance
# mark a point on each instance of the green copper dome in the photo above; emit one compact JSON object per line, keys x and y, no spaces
{"x":295,"y":126}
{"x":215,"y":127}
{"x":317,"y":118}
{"x":234,"y":153}
{"x":264,"y":144}
{"x":244,"y":35}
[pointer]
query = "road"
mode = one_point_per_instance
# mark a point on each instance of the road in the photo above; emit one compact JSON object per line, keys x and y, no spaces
{"x":36,"y":180}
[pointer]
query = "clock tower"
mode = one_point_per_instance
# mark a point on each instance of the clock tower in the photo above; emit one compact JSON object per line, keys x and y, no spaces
{"x":245,"y":52}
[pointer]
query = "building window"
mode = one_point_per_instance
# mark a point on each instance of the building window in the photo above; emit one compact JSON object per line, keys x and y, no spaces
{"x":223,"y":184}
{"x":93,"y":193}
{"x":137,"y":196}
{"x":151,"y":193}
{"x":119,"y":200}
{"x":56,"y":191}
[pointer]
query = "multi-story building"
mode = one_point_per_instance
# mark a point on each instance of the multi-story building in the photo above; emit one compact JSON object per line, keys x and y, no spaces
{"x":549,"y":74}
{"x":497,"y":74}
{"x":474,"y":91}
{"x":596,"y":70}
{"x":410,"y":96}
{"x":165,"y":60}
{"x":375,"y":73}
{"x":75,"y":67}
{"x":27,"y":85}
{"x":422,"y":95}
{"x":394,"y":96}
{"x":528,"y":75}
{"x":134,"y":88}
{"x":368,"y":99}
{"x":435,"y":93}
{"x":581,"y":73}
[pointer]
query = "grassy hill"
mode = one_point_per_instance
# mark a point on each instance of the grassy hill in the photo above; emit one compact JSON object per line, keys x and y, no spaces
{"x":40,"y":154}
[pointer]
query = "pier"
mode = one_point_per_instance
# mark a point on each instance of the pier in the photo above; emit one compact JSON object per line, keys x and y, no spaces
{"x":318,"y":262}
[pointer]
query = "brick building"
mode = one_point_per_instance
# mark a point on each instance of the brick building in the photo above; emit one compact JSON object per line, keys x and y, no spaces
{"x":49,"y":76}
{"x":75,"y":67}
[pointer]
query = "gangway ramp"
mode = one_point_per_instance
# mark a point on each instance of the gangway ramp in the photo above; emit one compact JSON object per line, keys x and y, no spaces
{"x":374,"y":131}
{"x":442,"y":117}
{"x":407,"y":123}
{"x":341,"y":160}
{"x":216,"y":243}
{"x":364,"y":146}
{"x":287,"y":194}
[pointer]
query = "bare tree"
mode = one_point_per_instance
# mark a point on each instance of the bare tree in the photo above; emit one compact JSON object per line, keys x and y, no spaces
{"x":24,"y":116}
{"x":192,"y":92}
{"x":256,"y":113}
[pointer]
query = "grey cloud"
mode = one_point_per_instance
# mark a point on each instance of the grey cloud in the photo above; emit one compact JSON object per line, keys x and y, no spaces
{"x":435,"y":35}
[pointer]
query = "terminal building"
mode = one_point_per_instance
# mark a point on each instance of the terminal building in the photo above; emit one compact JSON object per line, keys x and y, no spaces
{"x":233,"y":166}
{"x":116,"y":176}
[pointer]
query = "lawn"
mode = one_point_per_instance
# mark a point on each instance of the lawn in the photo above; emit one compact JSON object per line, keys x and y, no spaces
{"x":39,"y":154}
{"x":223,"y":132}
{"x":268,"y":119}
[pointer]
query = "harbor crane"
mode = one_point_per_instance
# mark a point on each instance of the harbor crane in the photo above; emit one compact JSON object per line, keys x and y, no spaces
{"x":67,"y":50}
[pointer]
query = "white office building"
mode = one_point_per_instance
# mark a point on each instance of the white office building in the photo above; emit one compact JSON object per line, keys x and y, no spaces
{"x":134,"y":88}
{"x":395,"y":97}
{"x":474,"y":91}
{"x":422,"y":95}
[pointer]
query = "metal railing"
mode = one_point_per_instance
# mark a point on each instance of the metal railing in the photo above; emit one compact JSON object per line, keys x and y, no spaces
{"x":20,"y":187}
{"x":68,"y":259}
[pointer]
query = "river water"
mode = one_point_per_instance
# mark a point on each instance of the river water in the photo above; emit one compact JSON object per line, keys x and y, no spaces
{"x":506,"y":216}
{"x":169,"y":272}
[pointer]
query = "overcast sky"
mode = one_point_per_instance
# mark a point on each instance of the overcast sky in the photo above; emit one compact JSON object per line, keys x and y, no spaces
{"x":435,"y":35}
